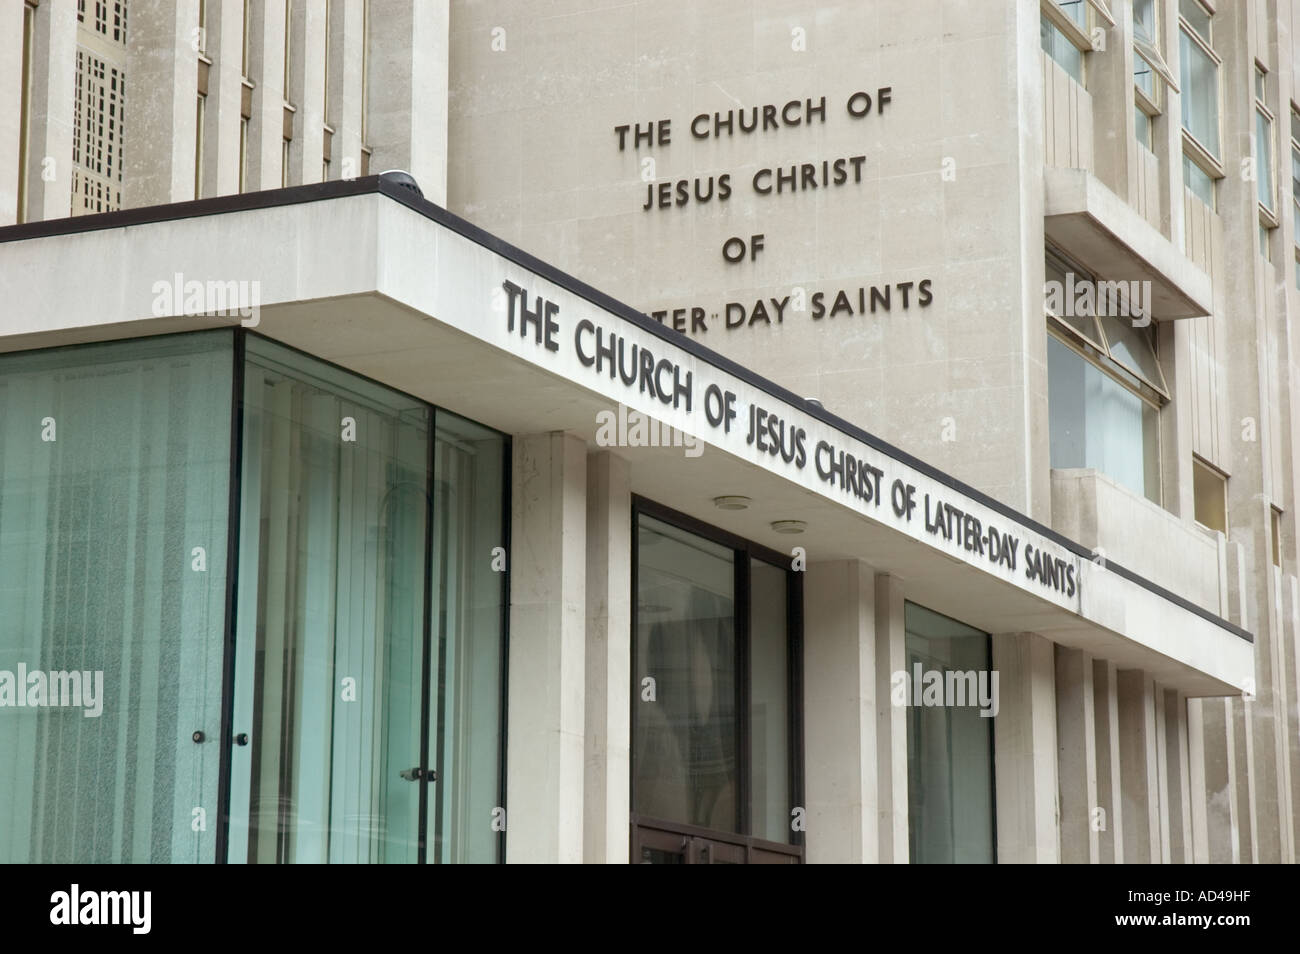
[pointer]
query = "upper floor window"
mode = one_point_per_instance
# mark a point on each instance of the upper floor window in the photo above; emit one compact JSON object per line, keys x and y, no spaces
{"x":1105,"y":385}
{"x":1209,"y":496}
{"x":1264,"y":147}
{"x":1295,"y":171}
{"x":1200,"y":99}
{"x":1063,"y":34}
{"x":1150,"y":71}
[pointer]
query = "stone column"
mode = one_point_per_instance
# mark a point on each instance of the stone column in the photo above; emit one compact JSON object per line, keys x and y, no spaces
{"x":1076,"y":741}
{"x":548,"y":582}
{"x":1110,"y":843}
{"x":54,"y":76}
{"x":607,"y":798}
{"x":409,"y":83}
{"x":840,"y":713}
{"x":11,"y":78}
{"x":1139,"y":781}
{"x":266,"y":125}
{"x":1024,"y":746}
{"x":891,"y":722}
{"x":161,"y":93}
{"x":221,"y":110}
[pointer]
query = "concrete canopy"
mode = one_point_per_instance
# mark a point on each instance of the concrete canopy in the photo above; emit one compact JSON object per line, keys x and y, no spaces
{"x":389,"y":286}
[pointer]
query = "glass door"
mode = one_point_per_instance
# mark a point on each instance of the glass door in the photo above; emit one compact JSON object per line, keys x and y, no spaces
{"x":369,"y":624}
{"x":715,"y":730}
{"x":331,"y":713}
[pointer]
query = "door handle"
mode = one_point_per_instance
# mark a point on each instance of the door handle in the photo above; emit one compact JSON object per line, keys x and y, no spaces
{"x":418,"y":774}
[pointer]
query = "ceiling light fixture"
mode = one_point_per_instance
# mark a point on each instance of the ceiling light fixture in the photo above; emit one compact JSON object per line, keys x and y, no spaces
{"x":732,"y":502}
{"x":789,"y":526}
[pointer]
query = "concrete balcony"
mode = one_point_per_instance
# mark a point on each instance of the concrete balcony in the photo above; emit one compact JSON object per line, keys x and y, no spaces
{"x":1119,"y":526}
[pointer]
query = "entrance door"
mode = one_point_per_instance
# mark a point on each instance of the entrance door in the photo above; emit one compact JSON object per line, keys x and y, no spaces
{"x":367,"y":665}
{"x":331,"y":683}
{"x":715,"y":759}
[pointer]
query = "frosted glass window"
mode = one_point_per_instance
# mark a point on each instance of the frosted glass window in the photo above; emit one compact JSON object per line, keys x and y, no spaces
{"x":330,"y":616}
{"x":336,"y":591}
{"x":466,"y":657}
{"x":114,"y":494}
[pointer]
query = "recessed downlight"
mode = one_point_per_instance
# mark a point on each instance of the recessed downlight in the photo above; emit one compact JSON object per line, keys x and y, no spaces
{"x":789,"y":526}
{"x":732,"y":502}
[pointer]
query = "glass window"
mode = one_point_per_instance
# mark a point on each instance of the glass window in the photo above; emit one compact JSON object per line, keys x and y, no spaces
{"x":769,"y":708}
{"x":712,"y":689}
{"x":467,"y":658}
{"x":949,"y":742}
{"x":114,"y":497}
{"x":1061,"y":281}
{"x":1263,"y":144}
{"x":1058,"y":46}
{"x":1097,"y":422}
{"x":342,"y":705}
{"x":1144,"y":22}
{"x":1197,"y":17}
{"x":331,"y":589}
{"x":1142,"y":127}
{"x":1295,"y":188}
{"x":1076,"y":11}
{"x":1209,"y":491}
{"x":1133,"y":348}
{"x":1144,"y":77}
{"x":367,"y":628}
{"x":1200,"y":94}
{"x":686,"y":742}
{"x":1196,"y":179}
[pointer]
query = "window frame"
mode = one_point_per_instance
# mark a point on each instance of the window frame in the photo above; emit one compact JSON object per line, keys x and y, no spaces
{"x":1076,"y":35}
{"x":912,"y":716}
{"x":1193,"y":148}
{"x":1268,"y":215}
{"x":1295,"y":182}
{"x":1152,"y":54}
{"x":1200,"y":463}
{"x":1097,"y":349}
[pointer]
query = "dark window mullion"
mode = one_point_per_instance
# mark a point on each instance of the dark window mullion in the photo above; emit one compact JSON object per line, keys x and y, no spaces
{"x":744,"y":784}
{"x":422,"y":850}
{"x":233,"y":515}
{"x":794,"y":696}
